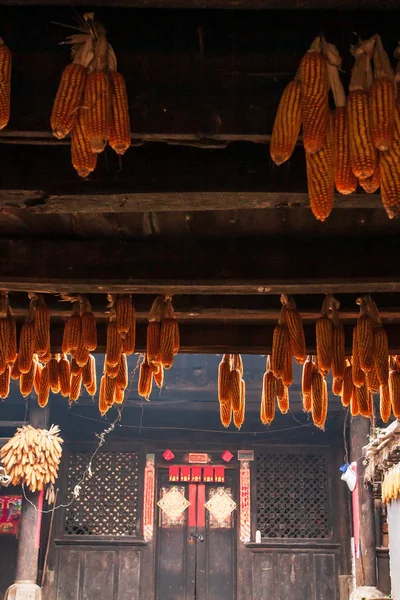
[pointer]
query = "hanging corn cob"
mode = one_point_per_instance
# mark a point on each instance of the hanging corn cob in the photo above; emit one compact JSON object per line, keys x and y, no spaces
{"x":295,"y":328}
{"x":120,"y":132}
{"x":382,"y":98}
{"x":281,"y":359}
{"x":287,"y":123}
{"x":389,"y":164}
{"x":345,"y":180}
{"x":5,"y":84}
{"x":371,"y":184}
{"x":363,"y":153}
{"x":268,"y":397}
{"x":308,"y":371}
{"x":314,"y":97}
{"x":324,"y":338}
{"x":319,"y":399}
{"x":365,"y":335}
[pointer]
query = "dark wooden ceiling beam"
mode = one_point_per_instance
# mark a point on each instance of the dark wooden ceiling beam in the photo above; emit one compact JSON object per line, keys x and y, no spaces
{"x":242,"y":266}
{"x":39,"y":202}
{"x":217,"y":4}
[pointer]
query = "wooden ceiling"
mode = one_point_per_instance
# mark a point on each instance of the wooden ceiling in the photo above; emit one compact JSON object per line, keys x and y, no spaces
{"x":195,"y":208}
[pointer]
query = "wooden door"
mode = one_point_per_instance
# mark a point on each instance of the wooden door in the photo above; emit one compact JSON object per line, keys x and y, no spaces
{"x":196,"y":536}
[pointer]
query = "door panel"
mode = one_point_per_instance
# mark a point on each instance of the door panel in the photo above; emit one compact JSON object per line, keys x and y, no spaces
{"x":196,"y":551}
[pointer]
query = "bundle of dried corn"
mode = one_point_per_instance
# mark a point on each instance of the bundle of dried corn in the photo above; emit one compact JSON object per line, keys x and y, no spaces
{"x":231,"y":390}
{"x":287,"y":123}
{"x":92,"y":100}
{"x":281,"y":355}
{"x":121,"y":333}
{"x":32,"y":456}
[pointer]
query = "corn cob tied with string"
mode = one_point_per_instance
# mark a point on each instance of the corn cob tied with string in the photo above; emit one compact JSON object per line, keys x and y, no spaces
{"x":324,"y":338}
{"x":69,"y":97}
{"x":363,"y":154}
{"x":389,"y":167}
{"x":314,"y":97}
{"x":295,"y":327}
{"x":287,"y":123}
{"x":307,"y":375}
{"x":382,"y":98}
{"x":345,"y":180}
{"x":27,"y":340}
{"x":154,"y":331}
{"x":5,"y":83}
{"x":365,"y":335}
{"x":268,"y":396}
{"x":168,"y":334}
{"x":281,"y":357}
{"x":120,"y":131}
{"x":338,"y":349}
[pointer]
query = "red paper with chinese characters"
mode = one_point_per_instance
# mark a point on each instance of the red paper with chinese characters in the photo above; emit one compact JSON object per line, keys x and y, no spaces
{"x":219,"y":474}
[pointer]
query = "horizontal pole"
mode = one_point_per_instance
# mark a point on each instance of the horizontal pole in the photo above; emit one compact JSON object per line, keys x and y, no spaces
{"x":39,"y":202}
{"x":219,"y":4}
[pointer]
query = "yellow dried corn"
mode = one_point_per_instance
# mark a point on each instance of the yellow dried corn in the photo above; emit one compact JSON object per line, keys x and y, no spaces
{"x":145,"y":380}
{"x":54,"y":378}
{"x":324,"y":339}
{"x":109,"y":389}
{"x":283,"y":401}
{"x":287,"y":376}
{"x":394,"y":385}
{"x":294,"y":324}
{"x":280,"y":389}
{"x":38,"y":377}
{"x":96,"y":110}
{"x":5,"y":382}
{"x":381,"y":355}
{"x":319,"y":400}
{"x":81,"y":355}
{"x":237,"y":363}
{"x":235,"y":385}
{"x":124,"y":311}
{"x":72,"y":332}
{"x":89,"y":331}
{"x":64,"y":376}
{"x":348,"y":386}
{"x":306,"y":402}
{"x":358,"y":373}
{"x":238,"y":417}
{"x":308,"y":370}
{"x":337,"y":386}
{"x":372,"y":381}
{"x":371,"y":184}
{"x":120,"y":134}
{"x":128,"y":344}
{"x":338,"y":357}
{"x":381,"y":107}
{"x":314,"y":100}
{"x":159,"y":376}
{"x":354,"y":406}
{"x":153,"y":341}
{"x":26,"y":347}
{"x":365,"y":336}
{"x":5,"y":83}
{"x":363,"y":154}
{"x":287,"y":123}
{"x":268,"y":398}
{"x":68,"y":100}
{"x":111,"y":371}
{"x":114,"y":344}
{"x":75,"y":368}
{"x":345,"y":180}
{"x":321,"y":177}
{"x":26,"y":380}
{"x":122,"y":376}
{"x":83,"y":159}
{"x":89,"y":375}
{"x":103,"y":405}
{"x":44,"y":387}
{"x":76,"y":385}
{"x":390,"y":171}
{"x":167,"y":338}
{"x":280,"y":351}
{"x":119,"y":395}
{"x":224,"y":387}
{"x":11,"y":353}
{"x":364,"y":401}
{"x":15,"y":372}
{"x":225,"y":413}
{"x":177,"y":339}
{"x":385,"y":404}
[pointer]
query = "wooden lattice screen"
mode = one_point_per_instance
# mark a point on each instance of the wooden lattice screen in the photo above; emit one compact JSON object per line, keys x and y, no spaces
{"x":292,"y":496}
{"x":108,"y":501}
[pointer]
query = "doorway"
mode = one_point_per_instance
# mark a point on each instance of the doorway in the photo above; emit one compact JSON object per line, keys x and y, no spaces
{"x":196,"y":538}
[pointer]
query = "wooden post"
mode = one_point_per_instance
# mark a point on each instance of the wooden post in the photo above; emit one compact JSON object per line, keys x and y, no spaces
{"x":366,"y":564}
{"x":28,"y":550}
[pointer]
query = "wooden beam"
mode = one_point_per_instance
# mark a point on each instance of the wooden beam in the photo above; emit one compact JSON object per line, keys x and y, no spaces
{"x":219,"y":4}
{"x":39,"y":202}
{"x":242,"y":266}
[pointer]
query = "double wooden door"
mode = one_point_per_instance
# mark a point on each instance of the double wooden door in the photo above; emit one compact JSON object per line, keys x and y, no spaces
{"x":196,"y":540}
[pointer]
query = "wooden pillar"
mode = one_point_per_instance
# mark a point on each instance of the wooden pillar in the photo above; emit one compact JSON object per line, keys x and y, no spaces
{"x":366,"y":564}
{"x":28,"y":552}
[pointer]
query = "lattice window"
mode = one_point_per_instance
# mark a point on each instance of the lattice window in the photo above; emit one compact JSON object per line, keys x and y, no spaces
{"x":292,"y":496}
{"x":107,"y":503}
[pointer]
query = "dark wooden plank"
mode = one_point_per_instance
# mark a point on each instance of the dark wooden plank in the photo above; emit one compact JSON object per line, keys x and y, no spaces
{"x":196,"y":266}
{"x":68,"y":574}
{"x":264,"y":576}
{"x":129,"y":574}
{"x":38,"y":202}
{"x":98,"y":575}
{"x":292,"y":582}
{"x":325,"y":574}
